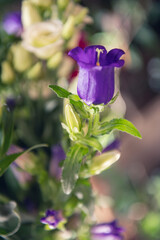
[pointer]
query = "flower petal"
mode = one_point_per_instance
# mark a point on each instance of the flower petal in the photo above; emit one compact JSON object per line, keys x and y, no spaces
{"x":92,"y":54}
{"x":113,"y":58}
{"x":79,"y":56}
{"x":96,"y":85}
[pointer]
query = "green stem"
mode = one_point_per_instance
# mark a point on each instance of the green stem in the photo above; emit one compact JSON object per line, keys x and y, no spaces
{"x":90,"y":124}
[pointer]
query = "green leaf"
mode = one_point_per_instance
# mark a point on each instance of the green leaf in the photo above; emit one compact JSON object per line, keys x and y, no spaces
{"x":118,"y":124}
{"x":114,"y":98}
{"x":90,"y":142}
{"x":78,"y":105}
{"x":74,"y":97}
{"x":6,"y":160}
{"x":71,"y":167}
{"x":11,"y":219}
{"x":7,"y":129}
{"x":61,"y":92}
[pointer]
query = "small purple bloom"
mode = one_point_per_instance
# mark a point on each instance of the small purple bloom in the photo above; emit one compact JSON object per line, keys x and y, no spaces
{"x":12,"y":23}
{"x":57,"y":155}
{"x":11,"y":103}
{"x":96,"y":72}
{"x":52,"y":218}
{"x":107,"y":231}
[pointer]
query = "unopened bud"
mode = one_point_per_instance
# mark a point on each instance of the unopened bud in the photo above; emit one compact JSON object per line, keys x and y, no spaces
{"x":68,"y":28}
{"x":30,"y":14}
{"x":7,"y":75}
{"x":101,"y":162}
{"x":55,"y":60}
{"x":42,"y":3}
{"x":80,"y":17}
{"x":62,"y":4}
{"x":22,"y":59}
{"x":35,"y":71}
{"x":72,"y":119}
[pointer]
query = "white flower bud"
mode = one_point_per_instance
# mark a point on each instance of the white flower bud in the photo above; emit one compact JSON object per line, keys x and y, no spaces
{"x":30,"y":14}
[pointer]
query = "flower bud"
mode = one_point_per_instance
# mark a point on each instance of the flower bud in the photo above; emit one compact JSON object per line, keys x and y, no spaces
{"x":68,"y":28}
{"x":55,"y":60}
{"x":42,"y":3}
{"x":35,"y":71}
{"x":62,"y":4}
{"x":7,"y":75}
{"x":103,"y":161}
{"x":30,"y":14}
{"x":80,"y":17}
{"x":72,"y":118}
{"x":22,"y":59}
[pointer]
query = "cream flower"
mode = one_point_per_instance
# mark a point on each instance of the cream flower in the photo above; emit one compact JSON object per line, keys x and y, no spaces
{"x":44,"y":38}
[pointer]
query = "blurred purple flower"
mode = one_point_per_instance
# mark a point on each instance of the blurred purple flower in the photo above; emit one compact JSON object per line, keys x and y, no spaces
{"x":11,"y":103}
{"x":12,"y":23}
{"x":107,"y":231}
{"x":112,"y":146}
{"x":96,"y":72}
{"x":57,"y":155}
{"x":52,"y":218}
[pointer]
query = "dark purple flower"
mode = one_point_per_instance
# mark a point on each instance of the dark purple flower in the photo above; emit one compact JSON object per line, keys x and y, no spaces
{"x":107,"y":231}
{"x":96,"y":72}
{"x":52,"y":218}
{"x":12,"y":23}
{"x":11,"y":103}
{"x":57,"y":155}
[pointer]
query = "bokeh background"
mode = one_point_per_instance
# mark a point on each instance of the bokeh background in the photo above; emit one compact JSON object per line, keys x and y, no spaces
{"x":130,"y":190}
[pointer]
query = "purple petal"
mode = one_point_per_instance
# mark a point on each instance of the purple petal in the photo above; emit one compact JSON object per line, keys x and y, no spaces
{"x":12,"y":23}
{"x":114,"y":145}
{"x":96,"y":85}
{"x":79,"y":56}
{"x":113,"y":58}
{"x":92,"y":53}
{"x":57,"y":155}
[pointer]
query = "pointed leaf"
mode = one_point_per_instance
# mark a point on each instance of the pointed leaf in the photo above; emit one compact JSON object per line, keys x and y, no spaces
{"x":71,"y":167}
{"x":8,"y":159}
{"x":61,"y":92}
{"x":119,"y":124}
{"x":7,"y":129}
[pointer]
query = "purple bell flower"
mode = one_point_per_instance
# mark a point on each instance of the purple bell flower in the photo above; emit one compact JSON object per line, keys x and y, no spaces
{"x":96,"y":72}
{"x":52,"y":218}
{"x":12,"y":23}
{"x":57,"y":155}
{"x":107,"y":231}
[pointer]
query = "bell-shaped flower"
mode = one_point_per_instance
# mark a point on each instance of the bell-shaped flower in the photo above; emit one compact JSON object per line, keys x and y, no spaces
{"x":96,"y":72}
{"x":107,"y":231}
{"x":53,"y":219}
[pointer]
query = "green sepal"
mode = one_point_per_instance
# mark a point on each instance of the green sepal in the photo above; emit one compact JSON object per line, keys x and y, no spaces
{"x":113,"y":99}
{"x":6,"y":160}
{"x":79,"y":106}
{"x":61,"y":92}
{"x":90,"y":142}
{"x":118,"y":124}
{"x":71,"y":167}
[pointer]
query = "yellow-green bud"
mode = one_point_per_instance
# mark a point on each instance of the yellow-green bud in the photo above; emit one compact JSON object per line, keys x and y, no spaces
{"x":62,"y":4}
{"x":55,"y":60}
{"x":42,"y":3}
{"x":22,"y":59}
{"x":7,"y":75}
{"x":80,"y":17}
{"x":30,"y":14}
{"x":72,"y":119}
{"x":101,"y":162}
{"x":35,"y":71}
{"x":68,"y":28}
